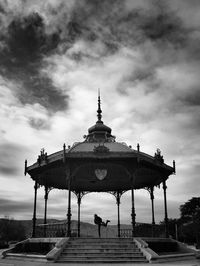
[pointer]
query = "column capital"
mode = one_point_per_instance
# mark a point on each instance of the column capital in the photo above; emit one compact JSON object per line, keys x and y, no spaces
{"x":117,"y":195}
{"x":47,"y":190}
{"x":164,"y":185}
{"x":151,"y":193}
{"x":118,"y":198}
{"x":36,"y":186}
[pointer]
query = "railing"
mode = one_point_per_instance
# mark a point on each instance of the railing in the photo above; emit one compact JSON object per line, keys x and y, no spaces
{"x":125,"y":233}
{"x":149,"y":230}
{"x":143,"y":230}
{"x":54,"y":230}
{"x":140,"y":230}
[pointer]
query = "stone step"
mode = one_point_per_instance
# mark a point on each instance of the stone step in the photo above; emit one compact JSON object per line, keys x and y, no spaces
{"x":25,"y":255}
{"x":102,"y":260}
{"x":108,"y":250}
{"x":103,"y":245}
{"x":101,"y":255}
{"x":101,"y":251}
{"x":101,"y":240}
{"x":90,"y":250}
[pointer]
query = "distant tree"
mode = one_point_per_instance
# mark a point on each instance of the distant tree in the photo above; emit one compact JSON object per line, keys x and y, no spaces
{"x":190,"y":209}
{"x":11,"y":230}
{"x":172,"y":226}
{"x":190,"y":220}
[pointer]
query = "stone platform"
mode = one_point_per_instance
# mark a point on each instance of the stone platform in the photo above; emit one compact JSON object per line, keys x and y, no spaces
{"x":100,"y":250}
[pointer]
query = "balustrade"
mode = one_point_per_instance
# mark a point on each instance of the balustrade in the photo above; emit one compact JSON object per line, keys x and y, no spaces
{"x":54,"y":230}
{"x":60,"y":230}
{"x":143,"y":230}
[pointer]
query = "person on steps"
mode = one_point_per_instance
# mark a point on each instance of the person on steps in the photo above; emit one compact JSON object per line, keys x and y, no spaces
{"x":99,"y":222}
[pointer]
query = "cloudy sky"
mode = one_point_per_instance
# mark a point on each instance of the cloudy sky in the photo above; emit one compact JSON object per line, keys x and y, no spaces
{"x":145,"y":58}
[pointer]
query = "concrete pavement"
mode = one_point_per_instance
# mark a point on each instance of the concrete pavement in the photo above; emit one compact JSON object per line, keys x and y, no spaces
{"x":14,"y":262}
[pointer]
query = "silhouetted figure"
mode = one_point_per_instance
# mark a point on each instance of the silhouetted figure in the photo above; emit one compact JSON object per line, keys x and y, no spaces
{"x":99,"y":222}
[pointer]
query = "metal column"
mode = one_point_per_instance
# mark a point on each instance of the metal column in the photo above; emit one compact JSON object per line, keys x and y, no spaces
{"x":133,"y":215}
{"x":34,"y":208}
{"x":79,"y":213}
{"x":69,"y":209}
{"x":45,"y":209}
{"x":118,"y":212}
{"x":152,"y":209}
{"x":165,"y":206}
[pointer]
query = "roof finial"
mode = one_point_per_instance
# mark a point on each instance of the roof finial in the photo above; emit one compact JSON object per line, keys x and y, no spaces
{"x":99,"y":107}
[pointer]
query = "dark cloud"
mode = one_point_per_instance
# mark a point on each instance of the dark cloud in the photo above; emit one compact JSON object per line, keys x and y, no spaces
{"x":8,"y":170}
{"x":115,"y":25}
{"x":163,"y":24}
{"x":9,"y":160}
{"x":29,"y":38}
{"x":39,"y":123}
{"x":191,"y":98}
{"x":25,"y":46}
{"x":8,"y":206}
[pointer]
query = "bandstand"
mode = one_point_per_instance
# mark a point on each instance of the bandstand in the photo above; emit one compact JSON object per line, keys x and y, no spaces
{"x":100,"y":164}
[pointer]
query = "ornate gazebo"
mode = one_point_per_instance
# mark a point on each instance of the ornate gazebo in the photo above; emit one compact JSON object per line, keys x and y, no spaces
{"x":99,"y":164}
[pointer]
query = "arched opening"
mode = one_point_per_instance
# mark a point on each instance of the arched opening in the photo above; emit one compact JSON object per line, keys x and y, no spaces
{"x":91,"y":203}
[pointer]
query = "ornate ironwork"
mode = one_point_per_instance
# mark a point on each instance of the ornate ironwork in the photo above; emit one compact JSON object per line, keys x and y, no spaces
{"x":54,"y":230}
{"x":101,"y":149}
{"x":174,"y":166}
{"x":64,"y":155}
{"x":25,"y":167}
{"x":158,"y":156}
{"x":47,"y":190}
{"x":138,"y":147}
{"x":80,"y":194}
{"x":150,"y":190}
{"x":126,"y":233}
{"x":117,"y":194}
{"x":100,"y":173}
{"x":37,"y":185}
{"x":42,"y":157}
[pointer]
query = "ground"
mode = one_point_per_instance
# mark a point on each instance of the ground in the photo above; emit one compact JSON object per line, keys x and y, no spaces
{"x":11,"y":262}
{"x":15,"y":262}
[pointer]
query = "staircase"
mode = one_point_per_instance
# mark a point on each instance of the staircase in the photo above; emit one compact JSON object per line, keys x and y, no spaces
{"x":102,"y":250}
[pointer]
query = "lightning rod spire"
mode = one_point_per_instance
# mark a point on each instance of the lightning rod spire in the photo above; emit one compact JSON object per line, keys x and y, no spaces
{"x":99,"y":111}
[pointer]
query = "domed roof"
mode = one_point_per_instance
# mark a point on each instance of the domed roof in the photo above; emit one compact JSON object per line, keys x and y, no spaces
{"x":107,"y":146}
{"x":99,"y":127}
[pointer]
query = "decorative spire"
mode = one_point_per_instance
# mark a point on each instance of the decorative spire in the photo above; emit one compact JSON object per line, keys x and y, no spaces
{"x":99,"y":107}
